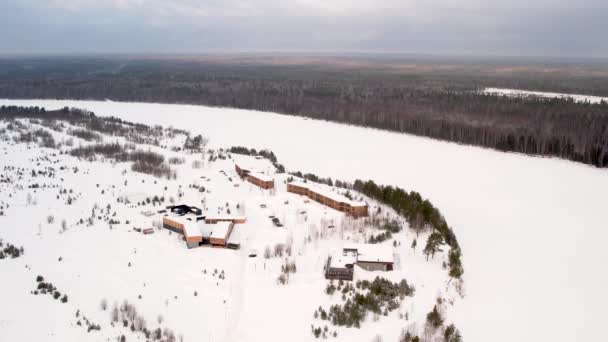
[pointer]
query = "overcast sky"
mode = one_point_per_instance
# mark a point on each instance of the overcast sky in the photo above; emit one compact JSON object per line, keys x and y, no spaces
{"x":467,"y":27}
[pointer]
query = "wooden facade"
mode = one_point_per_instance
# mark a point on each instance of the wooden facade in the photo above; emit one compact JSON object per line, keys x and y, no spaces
{"x":214,"y":220}
{"x":173,"y":225}
{"x":252,"y":178}
{"x":356,"y":211}
{"x":338,"y":273}
{"x":220,"y":240}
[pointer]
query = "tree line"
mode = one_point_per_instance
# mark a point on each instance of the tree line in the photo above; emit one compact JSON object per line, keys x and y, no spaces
{"x":440,"y":105}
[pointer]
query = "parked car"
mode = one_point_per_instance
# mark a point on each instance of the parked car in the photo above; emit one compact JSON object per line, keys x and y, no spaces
{"x":253,"y":253}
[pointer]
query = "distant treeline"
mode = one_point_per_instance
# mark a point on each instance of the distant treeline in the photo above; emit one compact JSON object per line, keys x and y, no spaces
{"x":440,"y":105}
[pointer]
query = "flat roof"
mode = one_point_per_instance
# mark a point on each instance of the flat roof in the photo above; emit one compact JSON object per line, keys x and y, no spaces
{"x":220,"y":231}
{"x":225,"y":217}
{"x":191,"y":229}
{"x":183,"y":219}
{"x":235,"y":236}
{"x":206,"y":229}
{"x":372,"y":253}
{"x":251,"y":163}
{"x":326,"y":191}
{"x":340,"y":260}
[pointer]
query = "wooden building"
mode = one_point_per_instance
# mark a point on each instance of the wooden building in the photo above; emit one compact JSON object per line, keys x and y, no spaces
{"x":192,"y":234}
{"x":199,"y":230}
{"x":221,"y":234}
{"x":339,"y":269}
{"x":178,"y":215}
{"x":234,"y":241}
{"x":227,"y":218}
{"x":330,"y":199}
{"x":257,"y":178}
{"x":371,"y":257}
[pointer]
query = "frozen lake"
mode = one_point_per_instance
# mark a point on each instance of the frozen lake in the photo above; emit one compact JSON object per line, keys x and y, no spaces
{"x":532,"y":229}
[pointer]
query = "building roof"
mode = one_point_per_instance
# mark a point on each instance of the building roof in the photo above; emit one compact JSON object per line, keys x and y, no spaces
{"x":206,"y":229}
{"x":235,"y":236}
{"x":225,"y":217}
{"x":183,"y":219}
{"x":184,"y":209}
{"x":221,"y":229}
{"x":252,"y":164}
{"x":341,"y":260}
{"x":328,"y":192}
{"x":191,"y":229}
{"x":372,"y":252}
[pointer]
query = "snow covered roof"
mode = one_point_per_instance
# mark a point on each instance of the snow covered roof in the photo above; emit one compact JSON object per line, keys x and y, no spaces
{"x":183,"y":219}
{"x":220,"y":231}
{"x":235,"y":236}
{"x":192,"y":229}
{"x":341,"y":260}
{"x":371,"y":252}
{"x":328,"y":192}
{"x":225,"y":218}
{"x":206,"y":229}
{"x":252,"y":164}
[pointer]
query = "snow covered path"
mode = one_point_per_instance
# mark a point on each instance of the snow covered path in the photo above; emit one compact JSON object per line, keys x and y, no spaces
{"x":532,"y":229}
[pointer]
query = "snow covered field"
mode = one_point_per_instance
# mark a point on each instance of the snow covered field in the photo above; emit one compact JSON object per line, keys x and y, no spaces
{"x":523,"y":93}
{"x":532,"y":229}
{"x":202,"y":293}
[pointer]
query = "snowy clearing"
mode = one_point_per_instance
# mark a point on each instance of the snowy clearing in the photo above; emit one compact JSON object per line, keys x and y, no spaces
{"x":532,"y":229}
{"x":81,"y":224}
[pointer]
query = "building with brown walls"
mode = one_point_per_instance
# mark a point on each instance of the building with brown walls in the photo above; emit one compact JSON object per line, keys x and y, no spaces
{"x":221,"y":233}
{"x":227,"y":218}
{"x":329,"y":198}
{"x":257,"y":178}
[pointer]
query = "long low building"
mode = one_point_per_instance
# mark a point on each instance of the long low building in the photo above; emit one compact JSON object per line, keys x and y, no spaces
{"x":262,"y":180}
{"x":329,"y":198}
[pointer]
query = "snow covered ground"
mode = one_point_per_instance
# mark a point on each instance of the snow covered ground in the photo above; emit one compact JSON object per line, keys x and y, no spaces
{"x":100,"y":260}
{"x":523,"y":93}
{"x":532,"y":229}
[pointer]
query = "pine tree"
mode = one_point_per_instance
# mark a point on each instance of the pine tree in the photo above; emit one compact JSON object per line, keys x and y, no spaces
{"x":433,"y":244}
{"x":434,"y":318}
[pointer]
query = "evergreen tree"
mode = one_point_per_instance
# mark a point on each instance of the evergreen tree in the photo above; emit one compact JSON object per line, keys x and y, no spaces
{"x":433,"y":244}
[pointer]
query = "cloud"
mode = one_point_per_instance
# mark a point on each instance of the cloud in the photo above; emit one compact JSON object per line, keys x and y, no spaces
{"x":516,"y":27}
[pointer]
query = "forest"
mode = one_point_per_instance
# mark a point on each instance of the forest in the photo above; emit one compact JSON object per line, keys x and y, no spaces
{"x":437,"y":99}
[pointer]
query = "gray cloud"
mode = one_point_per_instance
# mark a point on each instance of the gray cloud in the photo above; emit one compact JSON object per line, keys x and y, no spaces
{"x":516,"y":27}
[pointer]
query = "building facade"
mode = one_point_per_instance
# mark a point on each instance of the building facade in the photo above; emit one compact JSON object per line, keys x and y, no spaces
{"x":339,"y":271}
{"x":330,"y":200}
{"x":259,"y":179}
